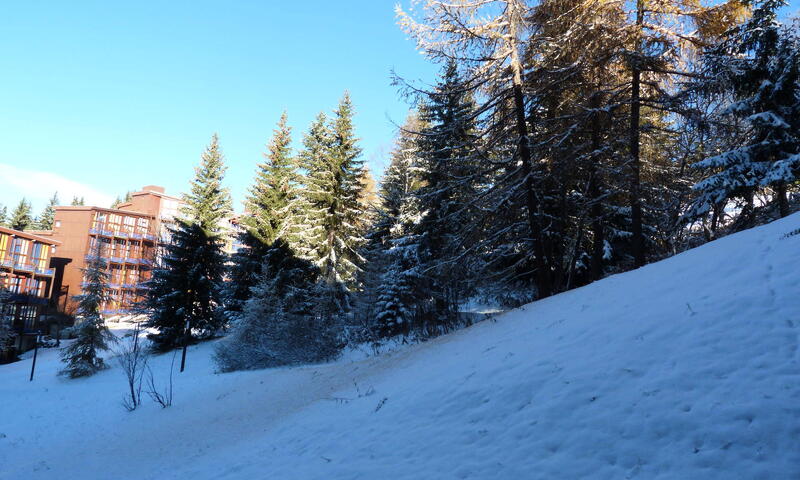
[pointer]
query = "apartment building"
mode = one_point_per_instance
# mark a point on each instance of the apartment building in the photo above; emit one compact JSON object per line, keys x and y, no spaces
{"x":126,"y":237}
{"x":27,"y":279}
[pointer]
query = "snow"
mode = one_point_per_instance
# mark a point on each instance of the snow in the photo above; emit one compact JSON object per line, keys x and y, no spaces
{"x":684,"y":369}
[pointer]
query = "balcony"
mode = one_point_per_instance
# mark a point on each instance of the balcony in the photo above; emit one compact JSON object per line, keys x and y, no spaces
{"x":26,"y":299}
{"x":45,"y":271}
{"x":7,"y":263}
{"x":24,"y":267}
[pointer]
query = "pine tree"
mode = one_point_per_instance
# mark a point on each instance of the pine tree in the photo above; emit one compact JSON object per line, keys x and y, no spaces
{"x":3,"y":216}
{"x":267,"y":211}
{"x":77,"y":201}
{"x":759,"y":64}
{"x":185,"y":291}
{"x":21,"y":217}
{"x":329,"y":232}
{"x":45,"y":220}
{"x":92,"y":335}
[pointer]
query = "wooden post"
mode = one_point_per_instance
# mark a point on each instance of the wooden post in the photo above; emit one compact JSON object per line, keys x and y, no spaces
{"x":35,"y":352}
{"x":185,"y":346}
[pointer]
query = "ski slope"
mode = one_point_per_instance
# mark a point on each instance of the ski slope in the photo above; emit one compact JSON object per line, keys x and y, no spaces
{"x":685,"y":369}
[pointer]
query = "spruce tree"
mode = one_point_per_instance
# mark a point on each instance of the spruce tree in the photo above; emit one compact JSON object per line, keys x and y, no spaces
{"x":21,"y":216}
{"x":77,"y":201}
{"x":387,"y":303}
{"x":7,"y":334}
{"x":329,"y":232}
{"x":267,"y":211}
{"x":185,"y":289}
{"x":45,"y":220}
{"x":92,"y":335}
{"x":3,"y":216}
{"x":758,"y":63}
{"x":450,"y":174}
{"x":284,"y":322}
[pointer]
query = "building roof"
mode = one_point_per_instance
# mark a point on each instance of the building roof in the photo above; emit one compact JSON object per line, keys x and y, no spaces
{"x":103,"y":209}
{"x":29,"y":236}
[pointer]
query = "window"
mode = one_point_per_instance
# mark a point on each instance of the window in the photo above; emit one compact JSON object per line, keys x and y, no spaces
{"x":39,"y":255}
{"x":100,"y":221}
{"x":130,"y":225}
{"x":133,"y":276}
{"x":116,"y":274}
{"x":58,"y":224}
{"x":142,"y":226}
{"x":119,"y":248}
{"x":19,"y":250}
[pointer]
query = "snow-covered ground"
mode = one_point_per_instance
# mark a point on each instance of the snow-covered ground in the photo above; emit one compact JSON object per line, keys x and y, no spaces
{"x":685,"y":369}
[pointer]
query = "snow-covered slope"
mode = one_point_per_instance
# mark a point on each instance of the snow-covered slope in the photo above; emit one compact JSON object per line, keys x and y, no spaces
{"x":685,"y":369}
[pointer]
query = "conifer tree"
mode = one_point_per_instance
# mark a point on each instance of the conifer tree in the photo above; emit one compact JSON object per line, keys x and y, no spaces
{"x":329,"y":232}
{"x":7,"y":333}
{"x":3,"y":216}
{"x":450,"y":174}
{"x":758,"y":63}
{"x":284,"y":322}
{"x":92,"y":335}
{"x":21,"y":216}
{"x":387,"y":302}
{"x":77,"y":201}
{"x":267,"y":211}
{"x":184,"y":291}
{"x":45,"y":220}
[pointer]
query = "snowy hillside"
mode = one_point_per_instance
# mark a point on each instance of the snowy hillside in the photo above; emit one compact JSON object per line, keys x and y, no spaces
{"x":685,"y":369}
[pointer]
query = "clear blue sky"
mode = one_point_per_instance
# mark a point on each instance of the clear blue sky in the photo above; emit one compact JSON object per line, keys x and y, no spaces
{"x":115,"y":96}
{"x":100,"y":97}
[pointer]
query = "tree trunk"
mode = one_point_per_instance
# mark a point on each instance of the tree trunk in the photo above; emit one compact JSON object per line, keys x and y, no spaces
{"x":783,"y":201}
{"x":543,"y":282}
{"x":635,"y":182}
{"x":596,"y":212}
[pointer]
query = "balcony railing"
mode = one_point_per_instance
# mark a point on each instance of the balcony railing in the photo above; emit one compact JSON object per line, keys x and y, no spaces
{"x":45,"y":271}
{"x":25,"y":267}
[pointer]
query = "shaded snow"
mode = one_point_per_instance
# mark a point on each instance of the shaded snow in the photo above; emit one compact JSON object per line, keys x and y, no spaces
{"x":683,"y":369}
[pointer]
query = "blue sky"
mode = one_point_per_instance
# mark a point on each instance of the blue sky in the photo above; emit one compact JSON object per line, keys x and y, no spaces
{"x":100,"y":97}
{"x":103,"y":97}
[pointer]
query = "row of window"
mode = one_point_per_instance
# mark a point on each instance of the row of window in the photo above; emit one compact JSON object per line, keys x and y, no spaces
{"x":26,"y":314}
{"x":121,"y":300}
{"x":122,"y":275}
{"x":121,"y":223}
{"x":23,"y":285}
{"x":120,"y":248}
{"x":22,"y":251}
